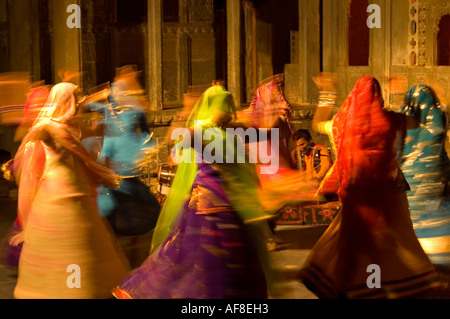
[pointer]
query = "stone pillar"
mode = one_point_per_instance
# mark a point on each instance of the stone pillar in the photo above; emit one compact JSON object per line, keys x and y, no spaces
{"x":234,"y":50}
{"x":380,"y":44}
{"x":66,"y":41}
{"x":330,"y":36}
{"x":250,"y":52}
{"x":309,"y":49}
{"x":23,"y":25}
{"x":154,"y":75}
{"x":4,"y":40}
{"x":88,"y":45}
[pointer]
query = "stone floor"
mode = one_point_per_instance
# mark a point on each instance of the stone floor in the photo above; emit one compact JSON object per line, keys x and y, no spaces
{"x":286,"y":260}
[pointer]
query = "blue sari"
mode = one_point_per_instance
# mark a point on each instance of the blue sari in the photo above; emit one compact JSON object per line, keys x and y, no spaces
{"x":131,"y":209}
{"x":425,"y":164}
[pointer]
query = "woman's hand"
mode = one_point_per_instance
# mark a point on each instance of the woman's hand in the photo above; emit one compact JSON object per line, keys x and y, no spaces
{"x":326,"y":81}
{"x":315,"y":183}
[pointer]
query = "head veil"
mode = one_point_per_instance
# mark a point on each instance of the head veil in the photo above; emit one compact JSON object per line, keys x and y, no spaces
{"x":422,"y":102}
{"x":269,"y":105}
{"x":361,"y":133}
{"x":425,"y":144}
{"x":270,"y":109}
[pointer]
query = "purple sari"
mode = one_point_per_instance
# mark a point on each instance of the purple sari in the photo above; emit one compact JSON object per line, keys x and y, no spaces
{"x":207,"y":255}
{"x":10,"y":253}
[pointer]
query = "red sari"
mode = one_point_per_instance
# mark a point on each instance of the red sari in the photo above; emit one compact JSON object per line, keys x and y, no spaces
{"x":374,"y":226}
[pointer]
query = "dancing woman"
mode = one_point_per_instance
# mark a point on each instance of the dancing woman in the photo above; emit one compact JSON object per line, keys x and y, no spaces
{"x":12,"y":245}
{"x":425,"y":163}
{"x":374,"y":228}
{"x":131,"y":209}
{"x":269,"y":109}
{"x":62,"y":229}
{"x":201,"y":248}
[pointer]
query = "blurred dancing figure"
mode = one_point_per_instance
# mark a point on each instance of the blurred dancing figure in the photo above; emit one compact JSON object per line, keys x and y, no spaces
{"x":269,"y":109}
{"x":425,"y":163}
{"x":201,"y":248}
{"x":131,"y":209}
{"x":374,"y":228}
{"x":35,"y":101}
{"x":57,"y":208}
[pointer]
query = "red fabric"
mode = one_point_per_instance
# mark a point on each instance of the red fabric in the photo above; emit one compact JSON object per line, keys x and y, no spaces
{"x":36,"y":99}
{"x":361,"y":131}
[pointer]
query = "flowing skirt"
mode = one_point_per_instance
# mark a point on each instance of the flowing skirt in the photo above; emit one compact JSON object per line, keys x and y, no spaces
{"x":131,"y":209}
{"x":68,"y":250}
{"x":208,"y":254}
{"x":370,"y":250}
{"x":429,"y":200}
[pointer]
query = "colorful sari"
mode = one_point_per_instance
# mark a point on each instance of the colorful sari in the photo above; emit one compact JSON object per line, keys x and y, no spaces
{"x":201,"y":248}
{"x":12,"y":244}
{"x":425,"y":163}
{"x":269,"y":109}
{"x":374,"y":228}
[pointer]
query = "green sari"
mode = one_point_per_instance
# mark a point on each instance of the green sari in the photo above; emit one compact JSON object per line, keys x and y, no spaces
{"x":214,"y":110}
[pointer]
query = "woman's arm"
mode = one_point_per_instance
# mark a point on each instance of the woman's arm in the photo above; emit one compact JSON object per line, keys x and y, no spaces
{"x":325,"y":164}
{"x":327,"y":101}
{"x":403,"y":122}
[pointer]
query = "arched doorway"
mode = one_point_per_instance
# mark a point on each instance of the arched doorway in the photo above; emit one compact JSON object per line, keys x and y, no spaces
{"x":443,"y":41}
{"x":358,"y":33}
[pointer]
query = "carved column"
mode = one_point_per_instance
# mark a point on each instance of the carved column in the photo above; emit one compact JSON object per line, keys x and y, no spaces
{"x":380,"y":48}
{"x":88,"y":54}
{"x":330,"y":36}
{"x":23,"y":23}
{"x":154,"y":76}
{"x":250,"y":52}
{"x":4,"y":41}
{"x":413,"y":42}
{"x":66,"y":41}
{"x":309,"y":49}
{"x":234,"y":49}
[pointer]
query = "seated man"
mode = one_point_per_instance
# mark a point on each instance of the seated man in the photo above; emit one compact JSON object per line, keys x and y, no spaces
{"x":314,"y":159}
